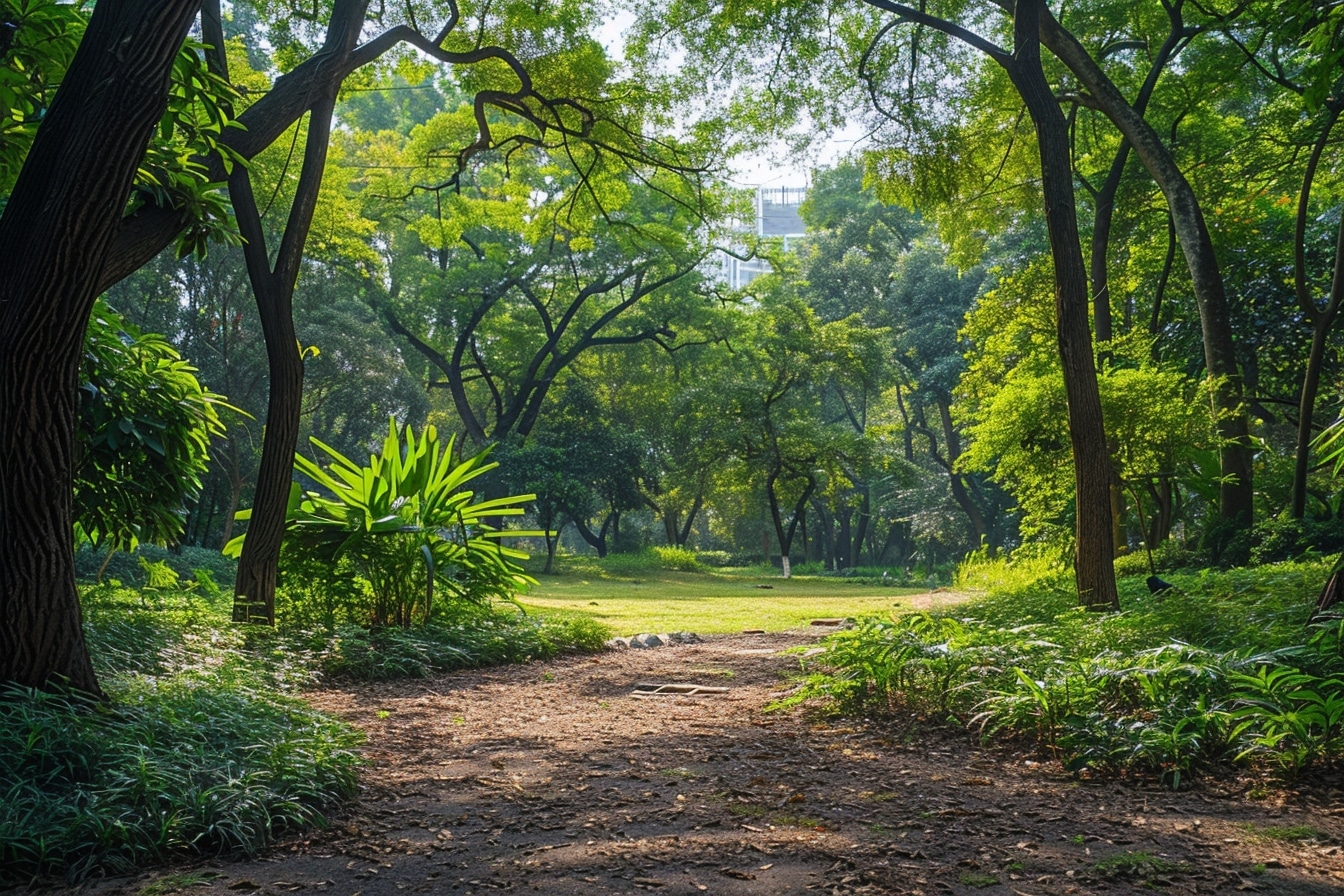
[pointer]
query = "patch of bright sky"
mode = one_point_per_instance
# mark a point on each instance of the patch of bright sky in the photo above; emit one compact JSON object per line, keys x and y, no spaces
{"x":778,"y":165}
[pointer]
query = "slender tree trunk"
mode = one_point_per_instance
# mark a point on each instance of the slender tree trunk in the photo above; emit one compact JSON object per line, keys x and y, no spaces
{"x":1159,"y":528}
{"x":1236,"y":493}
{"x":55,"y":233}
{"x":1094,"y":569}
{"x":960,"y":493}
{"x":843,"y":540}
{"x":685,"y":534}
{"x":1311,"y":386}
{"x":258,"y":567}
{"x":1322,"y":321}
{"x":273,"y":286}
{"x":1104,"y":215}
{"x":861,"y":528}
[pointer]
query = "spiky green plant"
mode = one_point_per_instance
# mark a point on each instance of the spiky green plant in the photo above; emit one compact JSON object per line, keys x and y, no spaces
{"x":409,"y":525}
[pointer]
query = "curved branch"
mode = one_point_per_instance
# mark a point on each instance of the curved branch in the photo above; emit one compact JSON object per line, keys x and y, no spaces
{"x":1304,"y":299}
{"x":951,"y":29}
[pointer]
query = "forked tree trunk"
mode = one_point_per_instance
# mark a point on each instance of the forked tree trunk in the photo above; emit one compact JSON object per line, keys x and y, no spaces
{"x":54,"y":236}
{"x":784,"y":534}
{"x":1094,"y":569}
{"x":1236,"y":494}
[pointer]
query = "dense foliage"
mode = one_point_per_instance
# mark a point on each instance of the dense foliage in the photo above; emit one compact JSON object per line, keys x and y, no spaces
{"x":199,"y":751}
{"x":145,"y":428}
{"x":407,"y":527}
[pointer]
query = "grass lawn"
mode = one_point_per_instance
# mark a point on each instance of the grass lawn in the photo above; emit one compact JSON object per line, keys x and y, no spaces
{"x":709,"y":602}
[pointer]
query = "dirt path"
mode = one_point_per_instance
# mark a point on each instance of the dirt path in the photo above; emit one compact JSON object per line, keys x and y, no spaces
{"x":554,"y":778}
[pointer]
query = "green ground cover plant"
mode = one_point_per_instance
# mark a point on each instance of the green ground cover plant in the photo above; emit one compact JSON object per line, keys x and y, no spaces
{"x":203,"y":745}
{"x":1224,"y":670}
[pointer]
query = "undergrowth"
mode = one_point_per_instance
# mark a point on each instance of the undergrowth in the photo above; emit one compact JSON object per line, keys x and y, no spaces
{"x":489,"y":637}
{"x":199,"y":748}
{"x":202,"y":746}
{"x":1224,"y":670}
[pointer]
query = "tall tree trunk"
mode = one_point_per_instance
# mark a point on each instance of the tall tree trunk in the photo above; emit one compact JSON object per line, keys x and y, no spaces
{"x":55,"y":233}
{"x":1094,"y":569}
{"x":1236,"y":493}
{"x":273,"y":286}
{"x":1322,"y":319}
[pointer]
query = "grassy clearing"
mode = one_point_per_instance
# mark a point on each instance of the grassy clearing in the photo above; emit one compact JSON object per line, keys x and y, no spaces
{"x":632,"y":597}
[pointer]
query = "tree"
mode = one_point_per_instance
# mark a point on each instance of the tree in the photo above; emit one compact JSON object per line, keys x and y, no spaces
{"x":55,"y":234}
{"x":65,"y":235}
{"x":1093,"y":568}
{"x":520,"y":267}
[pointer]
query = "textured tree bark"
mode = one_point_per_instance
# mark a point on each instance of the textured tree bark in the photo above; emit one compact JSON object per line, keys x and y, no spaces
{"x":1236,"y":494}
{"x":1094,"y":569}
{"x":54,"y":237}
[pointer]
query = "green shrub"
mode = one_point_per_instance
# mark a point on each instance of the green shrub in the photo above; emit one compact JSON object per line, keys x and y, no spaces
{"x":1284,"y":538}
{"x":482,"y":638}
{"x":144,"y":427}
{"x":406,"y":524}
{"x":865,"y":575}
{"x":125,"y":567}
{"x":715,"y":559}
{"x":1169,"y":555}
{"x":677,"y":558}
{"x":316,"y":593}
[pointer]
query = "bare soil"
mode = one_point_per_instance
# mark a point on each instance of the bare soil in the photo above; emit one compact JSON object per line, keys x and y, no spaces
{"x":555,"y":778}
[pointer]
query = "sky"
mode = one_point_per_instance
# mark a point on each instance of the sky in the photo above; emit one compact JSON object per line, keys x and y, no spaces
{"x":772,"y":168}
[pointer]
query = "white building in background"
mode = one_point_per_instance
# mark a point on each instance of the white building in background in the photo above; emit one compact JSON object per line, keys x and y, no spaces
{"x":776,"y":216}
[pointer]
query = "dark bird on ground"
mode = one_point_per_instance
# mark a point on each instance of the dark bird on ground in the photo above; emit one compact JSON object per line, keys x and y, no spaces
{"x":1158,"y":586}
